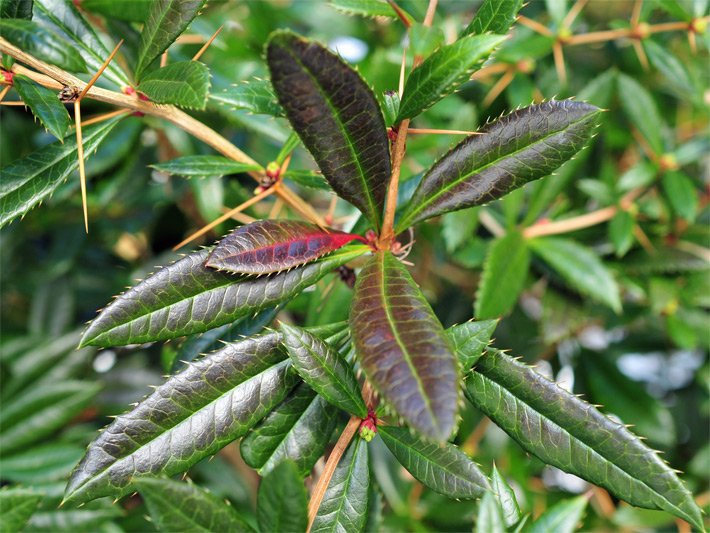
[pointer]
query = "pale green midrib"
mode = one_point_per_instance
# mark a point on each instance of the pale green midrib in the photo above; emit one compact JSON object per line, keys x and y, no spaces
{"x":348,"y":482}
{"x":374,"y":212}
{"x":405,"y":352}
{"x":425,"y":203}
{"x":585,"y":445}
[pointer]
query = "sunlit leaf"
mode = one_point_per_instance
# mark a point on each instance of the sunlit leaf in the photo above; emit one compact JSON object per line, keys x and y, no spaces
{"x":204,"y":165}
{"x":281,"y":501}
{"x":563,"y":517}
{"x":41,"y":43}
{"x":256,"y":96}
{"x":44,"y":105}
{"x":470,"y":339}
{"x":495,"y":16}
{"x":184,"y":83}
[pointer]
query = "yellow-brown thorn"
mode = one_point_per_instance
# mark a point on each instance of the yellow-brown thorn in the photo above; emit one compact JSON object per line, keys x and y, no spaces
{"x":207,"y":44}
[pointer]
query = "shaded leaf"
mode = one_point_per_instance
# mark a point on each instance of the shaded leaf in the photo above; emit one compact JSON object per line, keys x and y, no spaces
{"x":665,"y":260}
{"x":41,"y":43}
{"x":73,"y":520}
{"x":423,"y":40}
{"x":298,"y":429}
{"x":642,"y":111}
{"x":445,"y":469}
{"x":308,"y":178}
{"x":562,"y":517}
{"x":367,"y":8}
{"x":490,"y":515}
{"x":557,"y":9}
{"x":175,"y":506}
{"x":403,"y":348}
{"x":26,"y":182}
{"x":167,"y":19}
{"x":670,"y":66}
{"x":470,"y":339}
{"x":128,"y":10}
{"x":443,"y":71}
{"x":44,"y":105}
{"x":506,"y":498}
{"x":281,"y":500}
{"x":184,"y":84}
{"x":191,"y":416}
{"x":268,"y":246}
{"x":337,"y":117}
{"x":17,"y":506}
{"x":204,"y":165}
{"x":621,"y":232}
{"x":188,"y":297}
{"x":525,"y":145}
{"x":390,"y":102}
{"x":504,"y":275}
{"x":345,"y":503}
{"x":16,"y":9}
{"x":680,"y":191}
{"x":580,"y":267}
{"x":572,"y":435}
{"x":495,"y":16}
{"x":49,"y":462}
{"x":256,"y":96}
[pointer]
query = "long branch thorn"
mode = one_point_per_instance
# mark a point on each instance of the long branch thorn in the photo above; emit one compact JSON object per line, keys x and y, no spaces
{"x":400,"y":14}
{"x":498,"y":87}
{"x":13,"y":103}
{"x":99,"y":72}
{"x":402,"y":69}
{"x":636,"y":13}
{"x":535,"y":26}
{"x":443,"y":132}
{"x":641,"y":53}
{"x":559,"y":57}
{"x":104,"y":116}
{"x":573,"y":13}
{"x":80,"y":157}
{"x":4,"y":92}
{"x":207,"y":44}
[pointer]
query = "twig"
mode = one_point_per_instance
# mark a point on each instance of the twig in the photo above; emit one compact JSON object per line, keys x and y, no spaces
{"x":491,"y":224}
{"x":573,"y":13}
{"x":535,"y":26}
{"x":498,"y":87}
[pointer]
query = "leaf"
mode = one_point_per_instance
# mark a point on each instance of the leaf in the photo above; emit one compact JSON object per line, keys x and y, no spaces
{"x":256,"y":96}
{"x":191,"y":416}
{"x":268,"y":246}
{"x":490,"y":515}
{"x":621,"y":232}
{"x":572,"y":435}
{"x":184,"y":84}
{"x":204,"y":165}
{"x":403,"y":348}
{"x":367,"y":8}
{"x":16,"y":9}
{"x":670,"y":66}
{"x":562,"y":517}
{"x":443,"y":71}
{"x":337,"y":118}
{"x":128,"y":10}
{"x":443,"y":468}
{"x":680,"y":191}
{"x":642,"y":111}
{"x":281,"y":500}
{"x":175,"y":506}
{"x":580,"y":267}
{"x":495,"y":16}
{"x":44,"y":105}
{"x":308,"y":178}
{"x":423,"y":40}
{"x":523,"y":146}
{"x":39,"y":464}
{"x":73,"y":520}
{"x":26,"y":182}
{"x":557,"y":9}
{"x":506,"y":498}
{"x":39,"y":412}
{"x":41,"y":43}
{"x":17,"y":506}
{"x":167,"y":19}
{"x":187,"y":297}
{"x":504,"y":275}
{"x":390,"y":103}
{"x":324,"y":370}
{"x":470,"y":339}
{"x":345,"y":503}
{"x":298,"y":429}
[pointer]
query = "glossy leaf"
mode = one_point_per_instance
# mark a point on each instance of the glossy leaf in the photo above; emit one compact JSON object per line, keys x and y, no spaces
{"x":523,"y":146}
{"x":504,"y":275}
{"x":41,"y":43}
{"x":681,"y":194}
{"x":345,"y":503}
{"x":495,"y":16}
{"x":572,"y":435}
{"x":167,"y":19}
{"x":26,"y":182}
{"x":443,"y":468}
{"x":191,"y":416}
{"x":184,"y":84}
{"x":16,"y":9}
{"x":17,"y":506}
{"x":268,"y":246}
{"x":337,"y":117}
{"x":298,"y":429}
{"x":443,"y":71}
{"x":563,"y":517}
{"x":506,"y":498}
{"x":128,"y":10}
{"x":642,"y":110}
{"x":256,"y":96}
{"x":204,"y":165}
{"x":175,"y":506}
{"x":403,"y":348}
{"x":281,"y":500}
{"x":580,"y":267}
{"x":367,"y":8}
{"x":188,"y":297}
{"x":470,"y":339}
{"x":490,"y":515}
{"x":44,"y":105}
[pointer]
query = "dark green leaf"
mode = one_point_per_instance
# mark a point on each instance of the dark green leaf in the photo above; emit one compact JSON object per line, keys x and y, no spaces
{"x":443,"y":468}
{"x":490,"y":515}
{"x":256,"y":96}
{"x":345,"y":503}
{"x":580,"y":267}
{"x":470,"y":339}
{"x":41,"y":43}
{"x":443,"y":71}
{"x":566,"y":432}
{"x":495,"y":16}
{"x":675,"y":8}
{"x":337,"y":117}
{"x":324,"y":369}
{"x":17,"y":507}
{"x":175,"y":506}
{"x":670,"y":66}
{"x":367,"y":8}
{"x":29,"y":181}
{"x":680,"y":191}
{"x":188,"y":297}
{"x":44,"y":105}
{"x":184,"y":84}
{"x":39,"y":464}
{"x":16,"y":9}
{"x":167,"y":19}
{"x":390,"y":102}
{"x":190,"y":417}
{"x":298,"y":429}
{"x":666,"y":260}
{"x":403,"y":348}
{"x":525,"y":145}
{"x":562,"y":517}
{"x":642,"y":111}
{"x":128,"y":10}
{"x":506,"y":498}
{"x":204,"y":165}
{"x":504,"y":275}
{"x":281,"y":501}
{"x":621,"y":232}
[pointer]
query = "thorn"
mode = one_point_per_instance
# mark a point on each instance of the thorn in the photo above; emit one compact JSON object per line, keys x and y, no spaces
{"x":99,"y":72}
{"x":80,"y":157}
{"x":207,"y":44}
